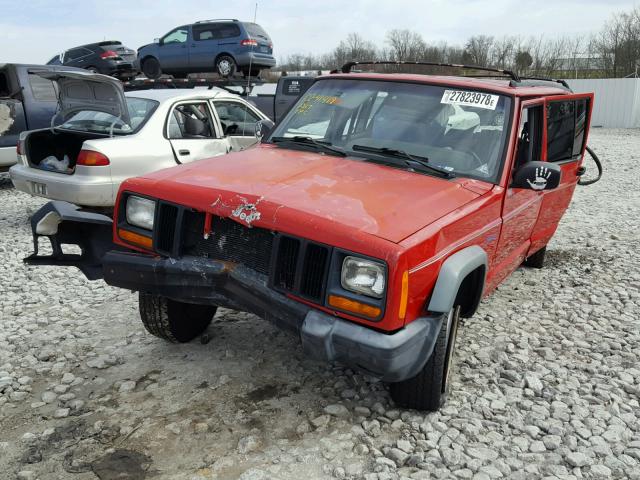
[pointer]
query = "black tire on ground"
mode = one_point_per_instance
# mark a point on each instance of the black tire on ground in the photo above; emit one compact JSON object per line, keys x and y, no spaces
{"x":428,"y":389}
{"x":92,"y":69}
{"x":537,"y":259}
{"x":176,"y":322}
{"x":225,"y":66}
{"x":151,"y":68}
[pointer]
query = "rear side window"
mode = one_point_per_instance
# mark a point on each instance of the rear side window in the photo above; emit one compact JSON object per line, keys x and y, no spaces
{"x":566,"y":121}
{"x":295,"y":87}
{"x":215,"y":31}
{"x":42,"y":89}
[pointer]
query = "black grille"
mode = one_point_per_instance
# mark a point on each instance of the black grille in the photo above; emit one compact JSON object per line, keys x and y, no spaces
{"x":286,"y":262}
{"x":313,"y":272}
{"x":228,"y":241}
{"x":165,"y":233}
{"x":301,"y":267}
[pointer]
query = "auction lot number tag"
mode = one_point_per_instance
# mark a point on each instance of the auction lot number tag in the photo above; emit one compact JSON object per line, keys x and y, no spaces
{"x":470,"y":99}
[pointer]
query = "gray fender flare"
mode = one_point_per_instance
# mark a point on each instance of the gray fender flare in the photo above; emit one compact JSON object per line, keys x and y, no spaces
{"x":452,"y":273}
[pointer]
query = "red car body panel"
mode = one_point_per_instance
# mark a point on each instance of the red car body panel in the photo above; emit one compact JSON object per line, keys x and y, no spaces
{"x":412,"y":221}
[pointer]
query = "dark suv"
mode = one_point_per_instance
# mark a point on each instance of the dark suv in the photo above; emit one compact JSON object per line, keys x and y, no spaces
{"x":109,"y":58}
{"x":221,"y":46}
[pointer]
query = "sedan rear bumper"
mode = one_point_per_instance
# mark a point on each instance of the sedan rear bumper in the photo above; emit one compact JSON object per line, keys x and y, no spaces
{"x":392,"y":357}
{"x":77,"y":189}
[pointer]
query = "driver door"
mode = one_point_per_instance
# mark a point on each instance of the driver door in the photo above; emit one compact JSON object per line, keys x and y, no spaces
{"x":192,"y":133}
{"x":173,"y":50}
{"x":521,"y":206}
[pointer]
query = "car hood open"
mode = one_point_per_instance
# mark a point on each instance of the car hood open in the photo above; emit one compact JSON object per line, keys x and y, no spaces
{"x":287,"y":190}
{"x":81,"y":90}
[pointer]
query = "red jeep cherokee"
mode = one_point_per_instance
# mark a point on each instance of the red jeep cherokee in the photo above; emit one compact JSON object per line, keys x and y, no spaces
{"x":379,"y":211}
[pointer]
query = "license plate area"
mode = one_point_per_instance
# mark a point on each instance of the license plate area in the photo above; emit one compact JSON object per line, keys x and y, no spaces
{"x":39,"y":188}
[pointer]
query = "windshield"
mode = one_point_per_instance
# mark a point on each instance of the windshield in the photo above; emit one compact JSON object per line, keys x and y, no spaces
{"x":456,"y":130}
{"x":140,"y":110}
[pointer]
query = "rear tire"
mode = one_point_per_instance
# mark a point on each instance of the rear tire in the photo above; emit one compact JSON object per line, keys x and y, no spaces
{"x":428,"y":389}
{"x":225,"y":66}
{"x":537,"y":259}
{"x":151,"y":68}
{"x":92,"y":69}
{"x":175,"y":322}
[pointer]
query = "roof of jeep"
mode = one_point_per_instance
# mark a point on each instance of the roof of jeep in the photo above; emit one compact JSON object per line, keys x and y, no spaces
{"x":498,"y":85}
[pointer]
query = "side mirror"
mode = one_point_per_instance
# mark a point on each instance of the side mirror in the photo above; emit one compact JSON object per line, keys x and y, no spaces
{"x":159,"y":41}
{"x":263,"y":128}
{"x":537,"y":176}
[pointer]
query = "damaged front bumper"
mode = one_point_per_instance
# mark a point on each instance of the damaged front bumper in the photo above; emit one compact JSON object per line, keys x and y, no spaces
{"x":390,"y":356}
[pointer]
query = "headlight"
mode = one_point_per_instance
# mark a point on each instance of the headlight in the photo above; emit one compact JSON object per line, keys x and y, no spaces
{"x":140,"y":212}
{"x":363,"y":276}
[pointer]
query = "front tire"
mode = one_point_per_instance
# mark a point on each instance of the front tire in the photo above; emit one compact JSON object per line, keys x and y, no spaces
{"x":151,"y":68}
{"x":175,"y":322}
{"x":226,"y":66}
{"x":428,"y":389}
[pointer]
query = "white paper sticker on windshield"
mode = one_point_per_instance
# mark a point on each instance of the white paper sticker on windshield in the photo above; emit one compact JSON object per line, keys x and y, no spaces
{"x":470,"y":99}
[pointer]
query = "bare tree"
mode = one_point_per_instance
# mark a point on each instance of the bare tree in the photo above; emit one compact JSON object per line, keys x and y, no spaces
{"x":405,"y":46}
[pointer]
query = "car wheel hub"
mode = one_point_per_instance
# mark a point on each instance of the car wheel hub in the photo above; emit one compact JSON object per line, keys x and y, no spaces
{"x":224,"y":67}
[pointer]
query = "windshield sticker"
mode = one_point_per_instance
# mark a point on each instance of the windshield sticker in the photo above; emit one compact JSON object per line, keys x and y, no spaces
{"x":470,"y":99}
{"x":311,"y":100}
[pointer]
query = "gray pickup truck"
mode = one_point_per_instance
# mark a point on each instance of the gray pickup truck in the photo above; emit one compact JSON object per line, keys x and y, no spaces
{"x":27,"y":102}
{"x":287,"y":91}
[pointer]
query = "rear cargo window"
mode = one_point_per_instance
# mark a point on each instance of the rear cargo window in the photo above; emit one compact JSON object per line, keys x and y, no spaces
{"x":42,"y":89}
{"x":256,"y":30}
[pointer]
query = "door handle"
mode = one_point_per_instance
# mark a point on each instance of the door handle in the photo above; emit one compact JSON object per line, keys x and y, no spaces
{"x":581,"y":171}
{"x":184,"y":152}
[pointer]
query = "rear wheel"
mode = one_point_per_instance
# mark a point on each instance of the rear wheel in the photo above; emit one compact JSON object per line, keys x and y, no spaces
{"x":225,"y":66}
{"x":428,"y":389}
{"x":176,"y":322}
{"x":92,"y":69}
{"x":151,"y":68}
{"x":537,"y":259}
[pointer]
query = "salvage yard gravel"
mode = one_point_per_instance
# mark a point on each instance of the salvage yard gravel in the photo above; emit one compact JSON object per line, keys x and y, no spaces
{"x":546,"y":382}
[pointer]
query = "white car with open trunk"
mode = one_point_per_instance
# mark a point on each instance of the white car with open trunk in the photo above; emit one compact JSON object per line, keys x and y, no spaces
{"x":107,"y":136}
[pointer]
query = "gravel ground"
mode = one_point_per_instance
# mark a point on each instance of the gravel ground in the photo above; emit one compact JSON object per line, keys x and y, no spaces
{"x":546,"y":383}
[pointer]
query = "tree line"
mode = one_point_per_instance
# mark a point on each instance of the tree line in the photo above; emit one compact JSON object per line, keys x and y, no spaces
{"x":614,"y":51}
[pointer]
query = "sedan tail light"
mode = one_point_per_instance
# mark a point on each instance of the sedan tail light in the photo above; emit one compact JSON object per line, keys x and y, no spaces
{"x":108,"y":54}
{"x":91,"y":158}
{"x":249,"y":42}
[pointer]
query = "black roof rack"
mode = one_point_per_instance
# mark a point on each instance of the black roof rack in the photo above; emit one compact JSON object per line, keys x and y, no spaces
{"x":346,"y":68}
{"x":532,"y":81}
{"x":218,"y":20}
{"x":225,"y":83}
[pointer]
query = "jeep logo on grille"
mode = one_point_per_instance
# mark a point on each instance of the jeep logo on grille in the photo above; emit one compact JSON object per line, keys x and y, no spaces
{"x":247,"y":213}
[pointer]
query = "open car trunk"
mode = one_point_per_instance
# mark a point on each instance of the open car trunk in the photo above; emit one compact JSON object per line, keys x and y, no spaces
{"x":56,"y":151}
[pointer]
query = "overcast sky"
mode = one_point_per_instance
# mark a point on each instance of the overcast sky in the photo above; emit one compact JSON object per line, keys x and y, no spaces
{"x":32,"y":31}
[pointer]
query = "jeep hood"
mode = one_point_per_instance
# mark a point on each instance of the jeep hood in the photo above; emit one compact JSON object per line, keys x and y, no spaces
{"x":79,"y":91}
{"x":287,"y":190}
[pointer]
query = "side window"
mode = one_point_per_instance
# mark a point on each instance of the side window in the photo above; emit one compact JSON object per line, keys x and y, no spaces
{"x":179,"y":35}
{"x":236,"y":118}
{"x":42,"y":89}
{"x":529,"y":136}
{"x":73,"y":54}
{"x":203,"y":32}
{"x":566,"y":122}
{"x":190,"y":121}
{"x":227,"y":30}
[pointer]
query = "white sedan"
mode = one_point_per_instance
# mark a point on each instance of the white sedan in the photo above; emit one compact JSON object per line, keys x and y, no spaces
{"x":108,"y":136}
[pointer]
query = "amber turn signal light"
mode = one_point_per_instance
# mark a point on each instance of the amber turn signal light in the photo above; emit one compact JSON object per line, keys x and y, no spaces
{"x":354,"y":306}
{"x":136,"y":239}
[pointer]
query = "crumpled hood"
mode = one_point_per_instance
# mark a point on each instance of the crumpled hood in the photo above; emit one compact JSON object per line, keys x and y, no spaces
{"x":271,"y":187}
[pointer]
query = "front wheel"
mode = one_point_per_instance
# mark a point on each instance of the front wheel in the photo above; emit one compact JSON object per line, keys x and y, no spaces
{"x":176,"y":322}
{"x":225,"y":66}
{"x":428,"y":389}
{"x":151,"y":68}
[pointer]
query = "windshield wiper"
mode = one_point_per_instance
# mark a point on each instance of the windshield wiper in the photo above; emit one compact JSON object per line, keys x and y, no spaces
{"x":310,"y":142}
{"x":407,"y":157}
